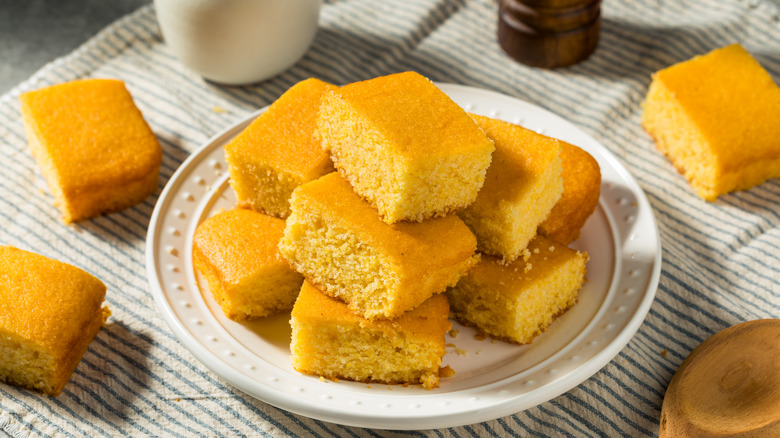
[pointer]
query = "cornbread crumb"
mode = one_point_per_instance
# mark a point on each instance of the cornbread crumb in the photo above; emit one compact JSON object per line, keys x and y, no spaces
{"x":664,"y":352}
{"x":49,"y":314}
{"x":93,"y":146}
{"x":404,"y":146}
{"x":446,"y":371}
{"x":522,"y":185}
{"x":236,"y":251}
{"x":278,"y":151}
{"x":715,"y":118}
{"x":330,"y":341}
{"x":526,"y":305}
{"x":219,"y":110}
{"x":454,"y":333}
{"x":339,"y":243}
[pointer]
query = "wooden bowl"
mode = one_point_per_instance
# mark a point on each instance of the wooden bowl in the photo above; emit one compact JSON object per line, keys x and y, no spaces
{"x":729,"y":386}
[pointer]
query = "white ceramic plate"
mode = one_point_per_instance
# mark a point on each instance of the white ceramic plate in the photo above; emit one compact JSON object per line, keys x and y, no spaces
{"x":492,"y":379}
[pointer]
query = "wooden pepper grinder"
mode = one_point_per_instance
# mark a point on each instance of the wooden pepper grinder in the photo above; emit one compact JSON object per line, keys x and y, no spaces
{"x":549,"y":33}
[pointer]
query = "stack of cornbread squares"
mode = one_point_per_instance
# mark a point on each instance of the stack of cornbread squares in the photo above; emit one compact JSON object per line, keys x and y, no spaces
{"x":415,"y":226}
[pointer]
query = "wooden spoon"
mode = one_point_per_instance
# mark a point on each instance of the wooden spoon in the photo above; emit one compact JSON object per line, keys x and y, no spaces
{"x":728,"y":386}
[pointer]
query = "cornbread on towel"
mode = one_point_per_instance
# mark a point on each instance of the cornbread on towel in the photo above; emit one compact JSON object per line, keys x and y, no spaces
{"x":236,"y":251}
{"x":717,"y":118}
{"x":581,"y":188}
{"x":404,"y":146}
{"x":522,"y":185}
{"x":329,"y":340}
{"x":49,"y":313}
{"x":93,"y":146}
{"x":278,"y":152}
{"x":516,"y":302}
{"x":339,"y":243}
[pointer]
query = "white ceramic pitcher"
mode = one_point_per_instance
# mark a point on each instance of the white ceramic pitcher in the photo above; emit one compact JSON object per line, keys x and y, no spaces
{"x":238,"y":41}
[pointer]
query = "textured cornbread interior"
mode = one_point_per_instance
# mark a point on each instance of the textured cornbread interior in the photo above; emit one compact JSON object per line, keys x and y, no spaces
{"x":93,"y":146}
{"x":518,"y":301}
{"x":49,"y":313}
{"x":330,"y":341}
{"x":236,"y":251}
{"x":262,"y":188}
{"x":278,"y":151}
{"x":581,"y":188}
{"x":716,"y":117}
{"x":522,"y":185}
{"x":339,"y":243}
{"x":404,"y":145}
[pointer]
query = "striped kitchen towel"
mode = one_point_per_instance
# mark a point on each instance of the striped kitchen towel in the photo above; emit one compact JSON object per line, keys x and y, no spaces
{"x":720,"y":260}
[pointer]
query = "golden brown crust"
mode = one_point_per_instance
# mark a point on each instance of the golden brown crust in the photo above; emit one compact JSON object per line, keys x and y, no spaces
{"x":60,"y":315}
{"x":78,"y":348}
{"x":236,"y":251}
{"x":93,"y":146}
{"x":710,"y":116}
{"x":581,"y":189}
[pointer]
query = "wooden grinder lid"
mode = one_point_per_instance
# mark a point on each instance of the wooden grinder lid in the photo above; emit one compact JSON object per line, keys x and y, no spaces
{"x":728,"y":386}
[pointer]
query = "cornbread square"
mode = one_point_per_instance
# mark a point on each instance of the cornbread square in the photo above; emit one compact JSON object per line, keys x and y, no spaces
{"x":518,"y":301}
{"x":581,"y":189}
{"x":236,"y":251}
{"x":404,"y":146}
{"x":49,"y":313}
{"x":278,"y":152}
{"x":329,"y":340}
{"x":93,"y":146}
{"x":522,"y":185}
{"x":339,"y":243}
{"x":717,"y":118}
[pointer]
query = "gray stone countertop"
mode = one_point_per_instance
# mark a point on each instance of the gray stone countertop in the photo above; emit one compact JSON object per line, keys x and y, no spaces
{"x":35,"y":32}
